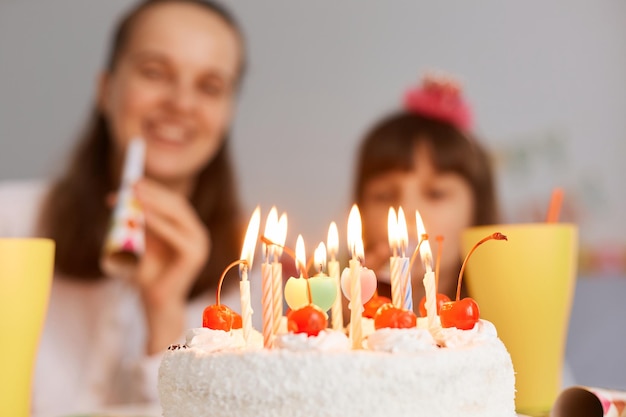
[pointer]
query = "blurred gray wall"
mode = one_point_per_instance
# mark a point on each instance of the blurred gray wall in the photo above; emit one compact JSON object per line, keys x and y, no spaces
{"x":547,"y":80}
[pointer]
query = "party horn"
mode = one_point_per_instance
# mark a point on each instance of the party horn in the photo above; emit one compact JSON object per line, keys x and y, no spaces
{"x":125,"y":241}
{"x":583,"y":401}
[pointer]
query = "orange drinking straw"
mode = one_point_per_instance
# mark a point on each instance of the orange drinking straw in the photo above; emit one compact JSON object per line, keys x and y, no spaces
{"x":554,"y":209}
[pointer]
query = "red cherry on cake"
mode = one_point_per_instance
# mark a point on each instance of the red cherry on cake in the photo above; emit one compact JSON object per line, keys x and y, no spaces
{"x":462,"y":314}
{"x":309,"y":319}
{"x":389,"y":316}
{"x":237,"y":321}
{"x":441,"y":298}
{"x":218,"y":317}
{"x":371,"y":307}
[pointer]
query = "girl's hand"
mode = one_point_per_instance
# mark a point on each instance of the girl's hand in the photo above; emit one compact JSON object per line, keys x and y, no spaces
{"x":177,"y":248}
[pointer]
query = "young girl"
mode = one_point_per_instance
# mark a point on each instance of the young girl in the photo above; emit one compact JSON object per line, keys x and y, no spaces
{"x":172,"y":77}
{"x":424,"y":157}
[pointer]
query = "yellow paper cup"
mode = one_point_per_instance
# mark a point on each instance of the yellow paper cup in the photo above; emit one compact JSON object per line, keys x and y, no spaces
{"x":26,"y":267}
{"x":525,"y":287}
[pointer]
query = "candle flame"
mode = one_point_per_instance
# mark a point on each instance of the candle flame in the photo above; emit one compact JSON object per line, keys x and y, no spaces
{"x":300,"y":255}
{"x":320,"y":256}
{"x":281,"y":234}
{"x":392,"y":230}
{"x":359,"y":250}
{"x":425,"y":253}
{"x":355,"y":237}
{"x":271,"y":226}
{"x":333,"y":240}
{"x":252,"y":235}
{"x":402,"y":232}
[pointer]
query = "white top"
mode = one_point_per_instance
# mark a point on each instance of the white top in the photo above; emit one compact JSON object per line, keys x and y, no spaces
{"x":91,"y":354}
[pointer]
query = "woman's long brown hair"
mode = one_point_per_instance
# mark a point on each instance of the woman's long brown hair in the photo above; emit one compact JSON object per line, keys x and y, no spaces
{"x":75,"y":213}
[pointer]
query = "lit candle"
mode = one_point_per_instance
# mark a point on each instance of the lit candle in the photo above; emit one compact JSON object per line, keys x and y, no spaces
{"x":277,"y":272}
{"x":266,"y":279}
{"x":429,"y":277}
{"x":247,"y":255}
{"x":403,"y":261}
{"x":355,"y":243}
{"x":394,"y":266}
{"x":333,"y":270}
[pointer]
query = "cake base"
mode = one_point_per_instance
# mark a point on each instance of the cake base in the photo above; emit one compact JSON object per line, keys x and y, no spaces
{"x":476,"y":381}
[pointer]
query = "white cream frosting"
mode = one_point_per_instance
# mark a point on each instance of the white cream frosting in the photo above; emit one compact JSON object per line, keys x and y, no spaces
{"x":454,"y":338}
{"x":325,"y":341}
{"x":401,"y":340}
{"x":468,"y":382}
{"x":210,"y":340}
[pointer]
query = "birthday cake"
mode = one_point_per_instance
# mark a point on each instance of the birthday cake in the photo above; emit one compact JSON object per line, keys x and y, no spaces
{"x":402,"y":372}
{"x":447,"y":363}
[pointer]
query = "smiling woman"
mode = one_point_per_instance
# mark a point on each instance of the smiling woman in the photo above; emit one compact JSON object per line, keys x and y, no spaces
{"x":172,"y":76}
{"x":174,"y":88}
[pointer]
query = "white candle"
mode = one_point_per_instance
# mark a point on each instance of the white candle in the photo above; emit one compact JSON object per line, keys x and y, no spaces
{"x":429,"y":277}
{"x":356,"y":308}
{"x":336,"y":311}
{"x":246,"y":308}
{"x":355,"y":243}
{"x":431,"y":295}
{"x":247,"y":256}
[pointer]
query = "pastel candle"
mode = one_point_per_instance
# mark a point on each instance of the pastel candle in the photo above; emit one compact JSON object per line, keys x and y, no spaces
{"x":429,"y":277}
{"x":267,"y":279}
{"x":394,"y":266}
{"x":355,"y":243}
{"x":247,"y":255}
{"x":332,"y":242}
{"x":323,"y":288}
{"x":405,"y":272}
{"x":277,"y":273}
{"x":297,"y":288}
